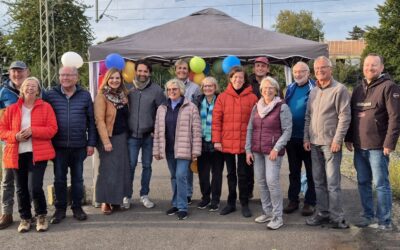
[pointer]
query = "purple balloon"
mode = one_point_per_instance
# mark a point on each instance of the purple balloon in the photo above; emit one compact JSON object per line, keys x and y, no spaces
{"x":115,"y":61}
{"x":103,"y":67}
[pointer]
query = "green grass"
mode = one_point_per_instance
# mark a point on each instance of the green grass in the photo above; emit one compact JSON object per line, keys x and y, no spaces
{"x":348,"y":169}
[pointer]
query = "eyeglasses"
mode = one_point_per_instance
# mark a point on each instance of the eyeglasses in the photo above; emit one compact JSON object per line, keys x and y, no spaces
{"x":209,"y":86}
{"x":172,"y":89}
{"x":321,"y":68}
{"x":67,"y":75}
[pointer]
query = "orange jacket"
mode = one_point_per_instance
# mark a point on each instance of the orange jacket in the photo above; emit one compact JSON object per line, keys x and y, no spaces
{"x":43,"y":125}
{"x":231,"y":115}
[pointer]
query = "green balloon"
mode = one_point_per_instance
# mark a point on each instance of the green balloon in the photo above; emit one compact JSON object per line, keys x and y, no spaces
{"x":217,"y":66}
{"x":197,"y":64}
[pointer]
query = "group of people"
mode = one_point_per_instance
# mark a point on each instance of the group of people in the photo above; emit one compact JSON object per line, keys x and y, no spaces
{"x":248,"y":127}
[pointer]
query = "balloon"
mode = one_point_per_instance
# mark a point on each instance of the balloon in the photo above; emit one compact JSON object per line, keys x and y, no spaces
{"x":217,"y":66}
{"x":129,"y":72}
{"x":207,"y":69}
{"x":198,"y":78}
{"x":103,"y":68}
{"x":71,"y":59}
{"x":197,"y":64}
{"x":229,"y":62}
{"x":115,"y":61}
{"x":100,"y":80}
{"x":191,"y":75}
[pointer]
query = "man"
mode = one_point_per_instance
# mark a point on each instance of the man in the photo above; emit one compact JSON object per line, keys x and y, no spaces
{"x":74,"y":141}
{"x":297,"y":97}
{"x":9,"y":93}
{"x":374,"y":132}
{"x":192,"y":90}
{"x":260,"y":70}
{"x":144,"y":99}
{"x":326,"y":122}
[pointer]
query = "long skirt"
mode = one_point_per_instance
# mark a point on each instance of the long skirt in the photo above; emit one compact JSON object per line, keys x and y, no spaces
{"x":113,"y":182}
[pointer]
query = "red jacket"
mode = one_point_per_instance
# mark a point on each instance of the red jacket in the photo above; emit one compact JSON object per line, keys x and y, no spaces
{"x":230,"y":118}
{"x":44,"y":127}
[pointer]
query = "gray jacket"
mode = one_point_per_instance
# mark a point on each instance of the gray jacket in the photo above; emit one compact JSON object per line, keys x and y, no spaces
{"x":143,"y":106}
{"x":328,"y":114}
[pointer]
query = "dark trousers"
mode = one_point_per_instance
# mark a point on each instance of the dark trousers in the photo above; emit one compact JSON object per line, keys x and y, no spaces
{"x":238,"y":173}
{"x":72,"y":158}
{"x":29,"y":183}
{"x":211,"y":162}
{"x":296,"y":156}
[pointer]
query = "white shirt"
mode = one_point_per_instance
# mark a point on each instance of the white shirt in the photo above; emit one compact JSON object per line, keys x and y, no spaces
{"x":26,"y":146}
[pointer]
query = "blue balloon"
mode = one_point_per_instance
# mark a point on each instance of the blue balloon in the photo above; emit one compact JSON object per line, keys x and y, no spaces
{"x":229,"y":62}
{"x":115,"y":61}
{"x":207,"y":69}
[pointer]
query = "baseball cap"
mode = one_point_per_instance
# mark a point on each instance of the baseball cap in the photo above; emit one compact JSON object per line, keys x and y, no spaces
{"x":261,"y":59}
{"x":18,"y":65}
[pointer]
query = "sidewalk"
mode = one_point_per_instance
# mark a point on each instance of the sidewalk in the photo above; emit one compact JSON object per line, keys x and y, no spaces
{"x":141,"y":228}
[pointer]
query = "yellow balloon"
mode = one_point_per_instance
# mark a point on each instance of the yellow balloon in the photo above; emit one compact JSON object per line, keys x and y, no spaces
{"x":128,"y":73}
{"x":197,"y":78}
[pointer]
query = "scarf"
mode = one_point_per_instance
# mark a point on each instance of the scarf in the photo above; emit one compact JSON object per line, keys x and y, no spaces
{"x":206,"y":117}
{"x":263,"y":109}
{"x":140,"y":85}
{"x":115,"y":97}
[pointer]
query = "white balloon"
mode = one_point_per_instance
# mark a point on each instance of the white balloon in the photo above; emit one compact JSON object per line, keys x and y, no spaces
{"x":71,"y":59}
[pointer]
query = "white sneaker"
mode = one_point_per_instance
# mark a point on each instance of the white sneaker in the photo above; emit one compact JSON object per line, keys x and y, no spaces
{"x":42,"y":224}
{"x":263,"y":218}
{"x":146,"y":201}
{"x":126,"y":203}
{"x":275,"y":223}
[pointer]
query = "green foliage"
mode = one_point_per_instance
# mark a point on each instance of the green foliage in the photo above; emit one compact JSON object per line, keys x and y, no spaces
{"x":356,"y":34}
{"x":385,"y":39}
{"x":301,"y":25}
{"x":346,"y":73}
{"x":71,"y":27}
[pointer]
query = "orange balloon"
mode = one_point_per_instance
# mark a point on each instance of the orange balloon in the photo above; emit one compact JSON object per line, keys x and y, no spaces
{"x":128,"y":73}
{"x":100,"y":80}
{"x":198,"y":78}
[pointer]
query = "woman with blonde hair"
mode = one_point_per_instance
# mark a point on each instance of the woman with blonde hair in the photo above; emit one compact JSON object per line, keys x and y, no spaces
{"x":27,"y":128}
{"x":111,"y":115}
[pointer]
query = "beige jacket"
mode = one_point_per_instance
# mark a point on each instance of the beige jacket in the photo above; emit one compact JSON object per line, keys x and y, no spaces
{"x":187,"y":135}
{"x":328,"y":114}
{"x":104,"y":114}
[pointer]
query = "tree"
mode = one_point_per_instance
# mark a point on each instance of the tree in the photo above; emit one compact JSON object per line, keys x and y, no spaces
{"x":356,"y":34}
{"x":71,"y":26}
{"x":385,"y":39}
{"x":301,"y":25}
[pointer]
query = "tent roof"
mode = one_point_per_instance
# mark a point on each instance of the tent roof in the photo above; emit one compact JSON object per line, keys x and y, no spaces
{"x":209,"y":33}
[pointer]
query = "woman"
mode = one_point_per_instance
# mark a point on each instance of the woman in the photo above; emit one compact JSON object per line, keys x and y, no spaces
{"x":210,"y":159}
{"x":27,"y":128}
{"x":230,"y":118}
{"x":177,"y":137}
{"x":269,"y":130}
{"x":111,"y":114}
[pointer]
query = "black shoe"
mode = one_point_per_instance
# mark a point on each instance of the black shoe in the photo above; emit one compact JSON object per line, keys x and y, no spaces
{"x":227,"y":210}
{"x":182,"y":215}
{"x":189,"y":200}
{"x":172,"y":211}
{"x":291,"y":207}
{"x":58,"y":216}
{"x":246,"y":211}
{"x":213,"y":207}
{"x":317,"y":220}
{"x":203,"y":204}
{"x":339,"y":224}
{"x":79,"y":214}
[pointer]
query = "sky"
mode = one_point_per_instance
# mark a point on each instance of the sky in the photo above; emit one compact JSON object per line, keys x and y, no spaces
{"x":124,"y":17}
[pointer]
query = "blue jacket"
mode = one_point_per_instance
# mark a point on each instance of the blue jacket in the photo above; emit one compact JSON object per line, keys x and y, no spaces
{"x":293,"y":86}
{"x":75,"y":118}
{"x":8,"y":94}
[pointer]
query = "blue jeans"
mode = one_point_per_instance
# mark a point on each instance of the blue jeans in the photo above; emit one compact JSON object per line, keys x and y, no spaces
{"x":72,"y":158}
{"x":372,"y":167}
{"x":134,"y":146}
{"x":179,"y":170}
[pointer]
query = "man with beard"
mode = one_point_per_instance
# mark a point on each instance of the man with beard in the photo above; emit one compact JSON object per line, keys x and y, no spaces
{"x":296,"y":98}
{"x":260,"y":70}
{"x":144,"y":99}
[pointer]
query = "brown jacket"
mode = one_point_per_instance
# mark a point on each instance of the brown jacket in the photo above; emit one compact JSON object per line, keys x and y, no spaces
{"x":187,"y":135}
{"x":375,"y":112}
{"x":104,"y":114}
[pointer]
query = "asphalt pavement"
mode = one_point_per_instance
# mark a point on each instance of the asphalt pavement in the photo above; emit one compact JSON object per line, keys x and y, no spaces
{"x":142,"y":228}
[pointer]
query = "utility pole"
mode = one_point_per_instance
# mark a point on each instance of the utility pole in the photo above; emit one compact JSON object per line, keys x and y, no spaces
{"x":262,"y":13}
{"x":48,"y":62}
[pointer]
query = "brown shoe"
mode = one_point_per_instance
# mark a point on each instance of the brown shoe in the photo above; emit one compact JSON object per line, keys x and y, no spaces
{"x":106,"y":208}
{"x":5,"y":221}
{"x":307,"y":210}
{"x":291,"y":207}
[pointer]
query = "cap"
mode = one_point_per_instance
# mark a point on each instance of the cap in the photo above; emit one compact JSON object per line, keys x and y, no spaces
{"x":18,"y":65}
{"x":261,"y":59}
